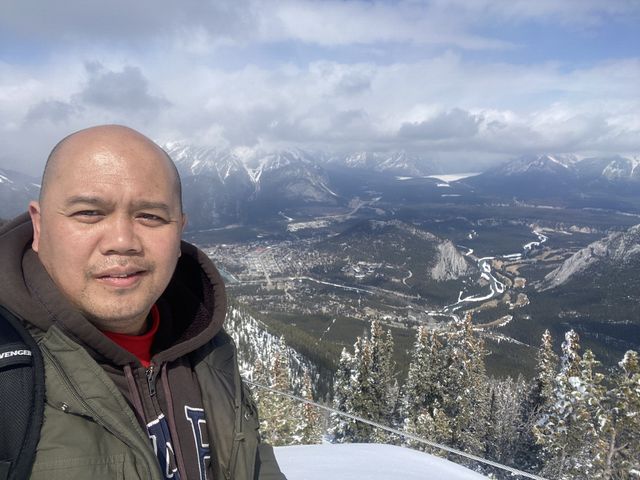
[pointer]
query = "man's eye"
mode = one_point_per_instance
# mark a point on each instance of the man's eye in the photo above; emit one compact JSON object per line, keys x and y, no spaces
{"x":88,"y":216}
{"x":151,"y":219}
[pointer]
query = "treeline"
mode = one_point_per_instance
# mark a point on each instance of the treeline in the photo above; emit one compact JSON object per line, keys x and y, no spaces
{"x":571,"y":421}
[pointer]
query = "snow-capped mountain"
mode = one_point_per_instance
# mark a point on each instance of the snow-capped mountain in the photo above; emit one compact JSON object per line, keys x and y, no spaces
{"x":615,"y":168}
{"x":540,"y":164}
{"x":223,"y":186}
{"x":16,"y":189}
{"x":610,"y":168}
{"x":617,"y":252}
{"x":565,"y":180}
{"x":396,"y":163}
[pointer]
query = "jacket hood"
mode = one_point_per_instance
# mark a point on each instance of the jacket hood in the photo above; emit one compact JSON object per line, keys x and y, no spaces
{"x":192,"y":308}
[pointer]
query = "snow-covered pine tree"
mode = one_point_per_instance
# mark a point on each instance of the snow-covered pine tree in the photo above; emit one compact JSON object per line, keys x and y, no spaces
{"x":568,"y":432}
{"x":422,"y":395}
{"x":309,"y":429}
{"x":537,"y":401}
{"x":371,"y":390}
{"x":384,"y":385}
{"x":504,"y":419}
{"x":465,"y":395}
{"x":279,"y":415}
{"x":620,"y":432}
{"x":363,"y":403}
{"x":343,"y":386}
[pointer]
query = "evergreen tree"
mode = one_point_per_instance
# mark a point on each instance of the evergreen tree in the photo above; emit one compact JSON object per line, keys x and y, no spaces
{"x":621,"y":431}
{"x":279,"y":414}
{"x":343,"y":387}
{"x":465,"y":395}
{"x":309,"y":429}
{"x":365,"y":386}
{"x":501,"y":438}
{"x":538,"y":400}
{"x":568,"y":432}
{"x":384,"y":386}
{"x":422,"y":393}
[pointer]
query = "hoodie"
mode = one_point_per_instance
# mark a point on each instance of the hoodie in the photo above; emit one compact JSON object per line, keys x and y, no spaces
{"x":166,"y":396}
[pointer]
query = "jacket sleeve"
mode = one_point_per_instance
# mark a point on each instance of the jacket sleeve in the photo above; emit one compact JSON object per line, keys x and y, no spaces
{"x":267,"y":466}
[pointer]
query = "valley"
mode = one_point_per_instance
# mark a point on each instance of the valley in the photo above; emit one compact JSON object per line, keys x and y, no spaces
{"x":331,"y":274}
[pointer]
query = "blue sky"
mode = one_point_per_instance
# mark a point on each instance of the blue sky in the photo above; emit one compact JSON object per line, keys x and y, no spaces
{"x":465,"y":82}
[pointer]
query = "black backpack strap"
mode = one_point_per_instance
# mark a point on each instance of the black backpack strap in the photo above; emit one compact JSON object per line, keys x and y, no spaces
{"x":21,"y":398}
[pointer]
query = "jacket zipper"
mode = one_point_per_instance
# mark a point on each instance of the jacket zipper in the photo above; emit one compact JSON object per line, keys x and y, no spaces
{"x":152,"y":376}
{"x":94,"y":415}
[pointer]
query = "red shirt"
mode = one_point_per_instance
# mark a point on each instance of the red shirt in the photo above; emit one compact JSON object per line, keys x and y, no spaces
{"x":139,"y":345}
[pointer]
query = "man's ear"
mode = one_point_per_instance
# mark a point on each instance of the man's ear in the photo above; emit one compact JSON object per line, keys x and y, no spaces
{"x":182,"y":226}
{"x":34,"y":213}
{"x":184,"y":222}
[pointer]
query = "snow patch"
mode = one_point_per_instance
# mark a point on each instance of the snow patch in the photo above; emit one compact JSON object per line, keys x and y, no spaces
{"x":370,"y":461}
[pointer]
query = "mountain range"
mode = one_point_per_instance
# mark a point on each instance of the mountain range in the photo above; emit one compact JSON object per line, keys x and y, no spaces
{"x":618,"y":252}
{"x":243,"y":186}
{"x":566,"y":181}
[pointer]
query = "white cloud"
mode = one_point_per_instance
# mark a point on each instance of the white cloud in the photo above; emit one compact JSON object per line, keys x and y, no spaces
{"x":213,"y":73}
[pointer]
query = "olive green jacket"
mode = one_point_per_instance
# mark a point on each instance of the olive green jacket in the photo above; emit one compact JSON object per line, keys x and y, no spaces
{"x":90,"y":432}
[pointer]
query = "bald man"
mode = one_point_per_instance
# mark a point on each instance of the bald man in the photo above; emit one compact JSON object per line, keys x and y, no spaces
{"x":142,"y":382}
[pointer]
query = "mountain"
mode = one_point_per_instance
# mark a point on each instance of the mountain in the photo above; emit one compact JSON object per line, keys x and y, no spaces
{"x":394,"y":254}
{"x":394,"y":163}
{"x":615,"y":253}
{"x":224,"y":186}
{"x":16,"y":190}
{"x":257,"y":345}
{"x":596,"y":291}
{"x":566,"y":181}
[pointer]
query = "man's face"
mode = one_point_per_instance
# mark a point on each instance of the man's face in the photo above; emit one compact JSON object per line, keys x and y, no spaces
{"x":108,"y":229}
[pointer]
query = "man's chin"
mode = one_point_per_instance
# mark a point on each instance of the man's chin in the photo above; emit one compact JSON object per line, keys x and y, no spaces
{"x":112,"y":320}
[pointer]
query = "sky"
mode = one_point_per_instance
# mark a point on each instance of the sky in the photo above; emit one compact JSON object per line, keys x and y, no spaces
{"x":466,"y":83}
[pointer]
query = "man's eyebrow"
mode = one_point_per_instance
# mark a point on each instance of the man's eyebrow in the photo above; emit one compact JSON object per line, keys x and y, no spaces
{"x":86,"y":199}
{"x":149,"y":205}
{"x":98,"y":201}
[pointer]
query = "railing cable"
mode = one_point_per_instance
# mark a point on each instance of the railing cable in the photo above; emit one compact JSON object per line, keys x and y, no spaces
{"x":400,"y":432}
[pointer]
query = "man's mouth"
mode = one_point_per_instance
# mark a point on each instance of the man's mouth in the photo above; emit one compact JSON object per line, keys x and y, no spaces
{"x":120,"y":279}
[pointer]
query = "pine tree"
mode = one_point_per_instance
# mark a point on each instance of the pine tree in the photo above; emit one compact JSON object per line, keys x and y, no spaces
{"x":343,"y":386}
{"x":309,"y":429}
{"x":279,"y":414}
{"x":384,"y":386}
{"x":365,"y":386}
{"x":621,"y":431}
{"x":422,"y":395}
{"x":568,"y":431}
{"x":465,"y":395}
{"x":501,"y":438}
{"x":537,"y":401}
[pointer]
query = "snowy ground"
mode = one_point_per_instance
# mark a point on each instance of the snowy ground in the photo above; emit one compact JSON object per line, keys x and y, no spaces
{"x":366,"y":461}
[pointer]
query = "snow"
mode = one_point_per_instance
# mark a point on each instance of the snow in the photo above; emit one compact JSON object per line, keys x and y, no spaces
{"x":453,"y":177}
{"x":370,"y":461}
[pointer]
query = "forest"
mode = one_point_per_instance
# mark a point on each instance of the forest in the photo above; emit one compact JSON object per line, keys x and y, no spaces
{"x":572,"y":420}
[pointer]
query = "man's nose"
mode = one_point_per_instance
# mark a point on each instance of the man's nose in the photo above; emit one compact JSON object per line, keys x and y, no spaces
{"x":120,"y":237}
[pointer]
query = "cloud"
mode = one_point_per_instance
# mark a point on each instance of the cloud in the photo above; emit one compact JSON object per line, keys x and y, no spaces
{"x":54,"y":111}
{"x":121,"y":22}
{"x":126,"y":90}
{"x":455,"y":123}
{"x":437,"y":77}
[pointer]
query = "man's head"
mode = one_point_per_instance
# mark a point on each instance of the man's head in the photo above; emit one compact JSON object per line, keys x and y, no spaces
{"x":108,"y":223}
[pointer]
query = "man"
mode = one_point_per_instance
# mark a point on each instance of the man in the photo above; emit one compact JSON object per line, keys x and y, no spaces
{"x":142,"y":382}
